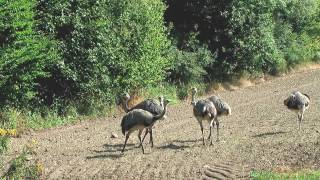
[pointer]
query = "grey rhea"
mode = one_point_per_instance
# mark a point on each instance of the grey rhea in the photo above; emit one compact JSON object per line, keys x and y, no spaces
{"x":223,"y":109}
{"x":203,"y":110}
{"x":149,"y":105}
{"x":139,"y":119}
{"x":299,"y":103}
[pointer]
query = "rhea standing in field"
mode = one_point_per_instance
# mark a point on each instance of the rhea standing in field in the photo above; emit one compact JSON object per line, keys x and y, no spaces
{"x":299,"y":103}
{"x":223,"y":109}
{"x":203,"y":110}
{"x":139,"y":119}
{"x":150,"y":105}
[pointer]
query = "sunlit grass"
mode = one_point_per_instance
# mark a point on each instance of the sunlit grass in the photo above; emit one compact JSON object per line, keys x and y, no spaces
{"x":300,"y":175}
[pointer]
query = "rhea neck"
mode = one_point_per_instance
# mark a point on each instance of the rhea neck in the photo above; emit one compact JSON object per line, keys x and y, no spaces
{"x":193,"y":102}
{"x":159,"y":116}
{"x":126,"y":107}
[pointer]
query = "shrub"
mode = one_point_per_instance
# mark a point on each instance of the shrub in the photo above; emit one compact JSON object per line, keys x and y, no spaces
{"x":57,"y":54}
{"x":108,"y":46}
{"x":255,"y":40}
{"x":133,"y":42}
{"x":252,"y":36}
{"x":25,"y":55}
{"x":190,"y":63}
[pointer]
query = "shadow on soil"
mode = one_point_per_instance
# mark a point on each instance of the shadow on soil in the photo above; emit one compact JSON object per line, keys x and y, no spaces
{"x":181,"y":144}
{"x":116,"y":147}
{"x":102,"y":156}
{"x":173,"y":146}
{"x":269,"y":134}
{"x":113,"y":151}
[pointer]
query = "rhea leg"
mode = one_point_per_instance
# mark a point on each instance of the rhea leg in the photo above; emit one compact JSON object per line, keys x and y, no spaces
{"x":211,"y":128}
{"x":201,"y":126}
{"x":145,"y":134}
{"x":151,"y":137}
{"x":217,"y":123}
{"x":139,"y":136}
{"x":300,"y":116}
{"x":300,"y":120}
{"x":148,"y":130}
{"x":125,"y":141}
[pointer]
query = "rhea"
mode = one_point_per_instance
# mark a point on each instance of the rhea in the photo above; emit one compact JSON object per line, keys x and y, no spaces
{"x":223,"y":109}
{"x":139,"y":119}
{"x":299,"y":103}
{"x":203,"y":110}
{"x":149,"y":105}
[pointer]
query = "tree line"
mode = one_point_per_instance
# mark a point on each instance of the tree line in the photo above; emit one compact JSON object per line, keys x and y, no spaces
{"x":53,"y":53}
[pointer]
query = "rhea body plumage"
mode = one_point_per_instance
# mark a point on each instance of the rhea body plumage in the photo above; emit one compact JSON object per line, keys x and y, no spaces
{"x":139,"y":119}
{"x":150,"y":105}
{"x":203,"y":110}
{"x":223,"y":109}
{"x":299,"y":103}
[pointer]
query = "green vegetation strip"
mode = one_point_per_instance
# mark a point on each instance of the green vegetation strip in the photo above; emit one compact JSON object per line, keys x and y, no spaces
{"x":301,"y":175}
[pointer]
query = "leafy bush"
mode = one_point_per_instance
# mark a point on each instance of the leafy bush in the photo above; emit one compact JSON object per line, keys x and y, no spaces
{"x":133,"y":42}
{"x":295,"y":30}
{"x":252,"y":36}
{"x":255,"y":40}
{"x":25,"y":55}
{"x":107,"y":45}
{"x":62,"y":54}
{"x":61,"y":59}
{"x":210,"y":21}
{"x":189,"y":63}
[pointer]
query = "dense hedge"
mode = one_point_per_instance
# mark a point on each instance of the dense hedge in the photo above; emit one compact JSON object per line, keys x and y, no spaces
{"x":55,"y":52}
{"x":26,"y":55}
{"x":249,"y":36}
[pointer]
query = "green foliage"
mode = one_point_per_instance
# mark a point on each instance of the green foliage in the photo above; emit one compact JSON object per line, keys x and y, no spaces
{"x":9,"y":118}
{"x":273,"y":33}
{"x":79,"y":55}
{"x":164,"y":89}
{"x":265,"y":175}
{"x":209,"y":20}
{"x":133,"y":42}
{"x":62,"y":59}
{"x":182,"y":92}
{"x":253,"y":36}
{"x":46,"y":119}
{"x":255,"y":40}
{"x":22,"y":168}
{"x":75,"y":25}
{"x":107,"y":45}
{"x":3,"y":145}
{"x":188,"y":64}
{"x":25,"y":55}
{"x":296,"y":30}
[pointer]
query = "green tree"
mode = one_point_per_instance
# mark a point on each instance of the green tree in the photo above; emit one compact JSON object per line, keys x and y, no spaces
{"x":132,"y":43}
{"x":25,"y":55}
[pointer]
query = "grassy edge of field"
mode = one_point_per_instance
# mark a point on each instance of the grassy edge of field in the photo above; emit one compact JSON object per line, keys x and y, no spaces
{"x":298,"y":174}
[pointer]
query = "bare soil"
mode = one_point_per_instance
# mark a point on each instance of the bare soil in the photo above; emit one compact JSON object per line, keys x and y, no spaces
{"x":260,"y":134}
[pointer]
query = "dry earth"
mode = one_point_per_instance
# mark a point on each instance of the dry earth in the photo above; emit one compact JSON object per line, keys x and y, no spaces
{"x":260,"y":134}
